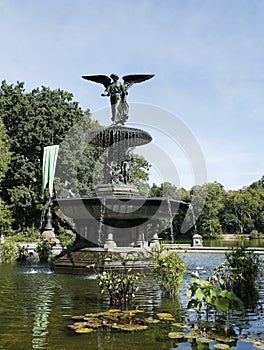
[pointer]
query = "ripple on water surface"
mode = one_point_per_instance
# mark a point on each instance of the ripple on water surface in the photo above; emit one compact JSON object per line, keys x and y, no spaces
{"x":36,"y":306}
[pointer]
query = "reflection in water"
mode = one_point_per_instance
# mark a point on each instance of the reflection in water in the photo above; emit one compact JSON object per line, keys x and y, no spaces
{"x":43,"y":309}
{"x":36,"y":306}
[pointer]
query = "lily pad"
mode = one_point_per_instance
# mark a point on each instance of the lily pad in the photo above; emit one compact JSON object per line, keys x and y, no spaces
{"x":193,"y":335}
{"x":112,"y":311}
{"x":204,"y":340}
{"x":84,"y":330}
{"x":94,"y":322}
{"x":137,"y":311}
{"x":180,"y":325}
{"x":150,"y":320}
{"x":176,"y":335}
{"x":221,"y":346}
{"x":78,"y":325}
{"x":93,"y":314}
{"x":223,"y":339}
{"x":130,"y":327}
{"x":165,"y":316}
{"x":77,"y":317}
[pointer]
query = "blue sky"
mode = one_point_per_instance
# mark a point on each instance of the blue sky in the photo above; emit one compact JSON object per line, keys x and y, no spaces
{"x":207,"y":56}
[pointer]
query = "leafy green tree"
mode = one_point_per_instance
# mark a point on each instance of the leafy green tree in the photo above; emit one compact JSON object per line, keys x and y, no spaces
{"x":140,"y":173}
{"x":170,"y":191}
{"x":244,"y":209}
{"x":257,"y":191}
{"x":33,"y":120}
{"x":209,"y":223}
{"x":4,"y":151}
{"x":166,"y":190}
{"x":5,"y":157}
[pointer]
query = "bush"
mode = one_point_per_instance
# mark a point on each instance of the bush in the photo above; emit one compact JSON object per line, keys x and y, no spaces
{"x":8,"y":250}
{"x":119,"y":285}
{"x":44,"y":250}
{"x":254,"y":234}
{"x":6,"y":219}
{"x":66,"y":237}
{"x":240,"y":273}
{"x":168,"y":270}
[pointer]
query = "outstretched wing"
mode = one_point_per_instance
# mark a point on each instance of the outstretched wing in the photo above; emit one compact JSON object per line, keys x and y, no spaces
{"x":131,"y":79}
{"x":102,"y":79}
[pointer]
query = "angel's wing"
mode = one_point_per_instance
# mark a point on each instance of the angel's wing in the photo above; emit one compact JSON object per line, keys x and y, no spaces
{"x":102,"y":79}
{"x":131,"y":79}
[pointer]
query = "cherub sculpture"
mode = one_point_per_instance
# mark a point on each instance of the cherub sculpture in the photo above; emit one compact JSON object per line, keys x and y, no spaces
{"x":117,"y":91}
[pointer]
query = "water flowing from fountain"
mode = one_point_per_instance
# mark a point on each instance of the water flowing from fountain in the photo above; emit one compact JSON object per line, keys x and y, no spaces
{"x":193,"y":217}
{"x":101,"y":223}
{"x":171,"y":221}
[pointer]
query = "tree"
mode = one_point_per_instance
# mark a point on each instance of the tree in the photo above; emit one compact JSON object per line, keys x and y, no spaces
{"x":209,"y":223}
{"x":5,"y":154}
{"x":170,"y":191}
{"x":33,"y":120}
{"x":140,"y":173}
{"x":244,"y":209}
{"x":5,"y":157}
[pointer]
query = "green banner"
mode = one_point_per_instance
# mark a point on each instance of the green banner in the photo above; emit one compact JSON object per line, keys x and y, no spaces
{"x":48,"y":168}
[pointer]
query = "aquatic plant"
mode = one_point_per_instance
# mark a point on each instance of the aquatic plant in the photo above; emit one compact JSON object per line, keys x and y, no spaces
{"x":209,"y":296}
{"x":120,"y":285}
{"x":168,"y":270}
{"x":44,"y":250}
{"x":122,"y":320}
{"x":162,"y":324}
{"x":240,"y":273}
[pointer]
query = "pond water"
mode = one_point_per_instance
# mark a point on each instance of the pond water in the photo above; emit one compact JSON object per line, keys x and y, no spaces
{"x":36,"y":306}
{"x":257,"y":243}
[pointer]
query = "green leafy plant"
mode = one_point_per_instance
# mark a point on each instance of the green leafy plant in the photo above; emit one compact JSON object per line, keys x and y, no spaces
{"x":254,"y":234}
{"x":240,"y":273}
{"x":8,"y":250}
{"x":168,"y":270}
{"x":208,"y":295}
{"x":120,"y":285}
{"x":44,"y":250}
{"x":22,"y":253}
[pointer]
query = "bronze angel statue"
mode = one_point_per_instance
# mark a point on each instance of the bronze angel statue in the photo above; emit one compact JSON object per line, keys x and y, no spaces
{"x":118,"y":91}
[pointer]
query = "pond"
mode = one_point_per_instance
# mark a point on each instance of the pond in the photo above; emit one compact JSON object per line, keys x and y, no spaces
{"x":36,"y":306}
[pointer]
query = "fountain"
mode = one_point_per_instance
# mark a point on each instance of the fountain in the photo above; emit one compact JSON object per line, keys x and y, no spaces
{"x":118,"y":220}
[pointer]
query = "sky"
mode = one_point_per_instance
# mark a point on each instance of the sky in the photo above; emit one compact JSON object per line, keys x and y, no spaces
{"x":207,"y":57}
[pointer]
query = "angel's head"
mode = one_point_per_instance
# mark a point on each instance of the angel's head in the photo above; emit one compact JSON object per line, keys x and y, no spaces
{"x":114,"y":76}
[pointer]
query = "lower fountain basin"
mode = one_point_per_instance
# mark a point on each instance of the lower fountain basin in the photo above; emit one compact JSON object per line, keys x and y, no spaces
{"x":119,"y":212}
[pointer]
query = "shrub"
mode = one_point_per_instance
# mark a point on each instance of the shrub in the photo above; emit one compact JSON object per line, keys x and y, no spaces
{"x":120,"y":285}
{"x":8,"y":250}
{"x":240,"y":273}
{"x":168,"y":270}
{"x":254,"y":234}
{"x":44,"y":250}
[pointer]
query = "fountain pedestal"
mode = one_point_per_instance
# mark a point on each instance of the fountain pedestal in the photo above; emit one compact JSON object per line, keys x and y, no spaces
{"x":117,"y":190}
